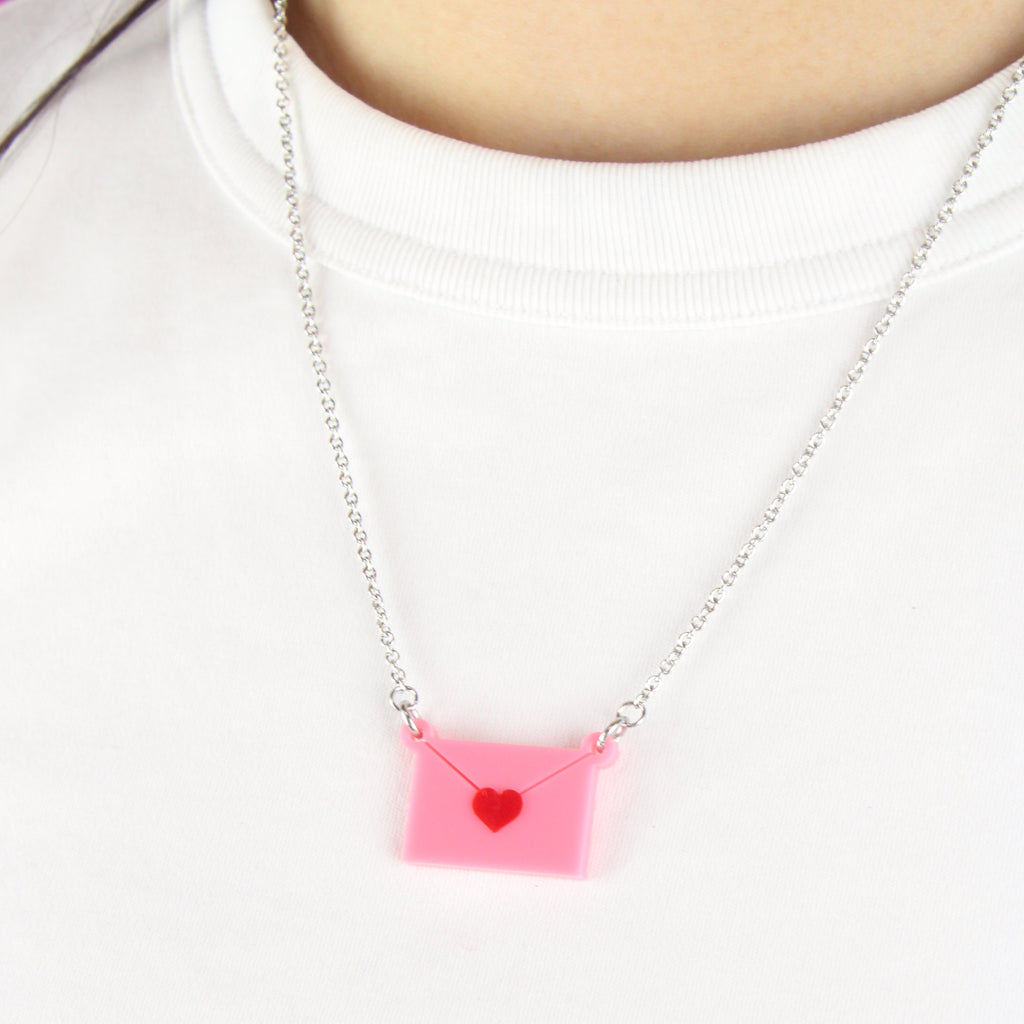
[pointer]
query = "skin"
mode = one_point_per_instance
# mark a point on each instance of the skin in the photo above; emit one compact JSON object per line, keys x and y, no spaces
{"x":651,"y":80}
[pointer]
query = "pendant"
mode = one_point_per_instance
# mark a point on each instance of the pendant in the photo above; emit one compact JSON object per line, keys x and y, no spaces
{"x":502,"y":806}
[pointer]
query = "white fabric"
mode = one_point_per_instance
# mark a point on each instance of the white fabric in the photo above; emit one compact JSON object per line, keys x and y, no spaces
{"x":568,"y":390}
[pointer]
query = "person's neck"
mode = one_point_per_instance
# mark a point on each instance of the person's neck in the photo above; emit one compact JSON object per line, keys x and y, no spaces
{"x":654,"y":80}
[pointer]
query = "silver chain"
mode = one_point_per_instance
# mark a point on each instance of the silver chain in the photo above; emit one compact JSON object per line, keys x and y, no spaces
{"x":403,"y":696}
{"x":630,"y":713}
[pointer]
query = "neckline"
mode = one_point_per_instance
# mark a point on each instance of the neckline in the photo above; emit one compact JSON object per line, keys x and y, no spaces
{"x":763,"y":236}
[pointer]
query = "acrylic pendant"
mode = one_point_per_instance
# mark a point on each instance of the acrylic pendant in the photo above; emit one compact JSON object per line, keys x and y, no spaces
{"x":502,"y":806}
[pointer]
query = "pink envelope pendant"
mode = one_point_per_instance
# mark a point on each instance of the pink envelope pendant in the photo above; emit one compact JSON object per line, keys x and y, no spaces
{"x":502,"y":806}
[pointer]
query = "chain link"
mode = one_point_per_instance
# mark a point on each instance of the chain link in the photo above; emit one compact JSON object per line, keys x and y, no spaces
{"x":630,"y":713}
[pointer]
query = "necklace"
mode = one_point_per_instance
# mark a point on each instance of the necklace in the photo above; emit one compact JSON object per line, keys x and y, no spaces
{"x":524,"y":808}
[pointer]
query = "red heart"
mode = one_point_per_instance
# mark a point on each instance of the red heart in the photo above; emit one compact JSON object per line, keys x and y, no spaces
{"x":496,"y":809}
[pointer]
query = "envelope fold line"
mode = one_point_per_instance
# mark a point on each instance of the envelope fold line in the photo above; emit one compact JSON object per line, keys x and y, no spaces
{"x":557,"y":771}
{"x":429,"y":746}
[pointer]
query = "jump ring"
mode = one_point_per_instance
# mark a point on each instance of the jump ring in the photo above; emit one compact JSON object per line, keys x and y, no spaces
{"x":613,"y":731}
{"x":403,"y":698}
{"x":622,"y":714}
{"x":410,"y":720}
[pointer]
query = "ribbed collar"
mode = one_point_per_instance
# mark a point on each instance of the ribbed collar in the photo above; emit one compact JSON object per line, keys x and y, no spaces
{"x":743,"y":238}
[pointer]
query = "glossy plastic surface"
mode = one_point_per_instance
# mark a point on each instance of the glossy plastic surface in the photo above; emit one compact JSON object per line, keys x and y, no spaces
{"x":502,"y":806}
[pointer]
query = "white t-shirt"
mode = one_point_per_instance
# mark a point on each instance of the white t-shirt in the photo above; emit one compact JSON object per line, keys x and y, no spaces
{"x":568,"y":391}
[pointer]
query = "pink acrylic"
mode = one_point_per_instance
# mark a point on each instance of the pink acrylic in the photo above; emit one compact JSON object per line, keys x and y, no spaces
{"x":464,"y":811}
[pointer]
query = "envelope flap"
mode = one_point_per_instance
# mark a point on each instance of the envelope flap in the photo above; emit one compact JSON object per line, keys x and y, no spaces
{"x":506,"y":765}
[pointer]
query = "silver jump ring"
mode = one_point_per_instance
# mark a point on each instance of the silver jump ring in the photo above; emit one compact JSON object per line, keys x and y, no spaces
{"x":622,"y":713}
{"x":410,"y":720}
{"x":403,"y":697}
{"x":622,"y":721}
{"x":613,"y":730}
